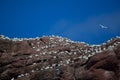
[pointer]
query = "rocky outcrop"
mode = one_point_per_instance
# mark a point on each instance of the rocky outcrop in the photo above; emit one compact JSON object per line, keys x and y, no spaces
{"x":57,"y":58}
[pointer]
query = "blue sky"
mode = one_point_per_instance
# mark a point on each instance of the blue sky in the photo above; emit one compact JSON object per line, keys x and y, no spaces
{"x":78,"y":20}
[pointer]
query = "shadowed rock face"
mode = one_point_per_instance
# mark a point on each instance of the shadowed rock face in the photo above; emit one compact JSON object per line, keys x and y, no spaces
{"x":56,"y":58}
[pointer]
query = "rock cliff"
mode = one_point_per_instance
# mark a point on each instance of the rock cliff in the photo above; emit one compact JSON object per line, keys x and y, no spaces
{"x":57,"y":58}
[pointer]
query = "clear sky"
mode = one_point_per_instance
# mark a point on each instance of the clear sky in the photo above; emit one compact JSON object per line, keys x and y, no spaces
{"x":78,"y":20}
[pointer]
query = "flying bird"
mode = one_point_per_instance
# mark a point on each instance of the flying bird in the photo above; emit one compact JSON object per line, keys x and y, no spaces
{"x":103,"y":27}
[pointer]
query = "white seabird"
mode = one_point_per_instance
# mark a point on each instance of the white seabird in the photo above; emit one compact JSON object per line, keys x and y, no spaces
{"x":102,"y":26}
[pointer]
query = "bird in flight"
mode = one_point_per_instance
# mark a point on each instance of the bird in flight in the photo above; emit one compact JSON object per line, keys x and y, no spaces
{"x":102,"y":26}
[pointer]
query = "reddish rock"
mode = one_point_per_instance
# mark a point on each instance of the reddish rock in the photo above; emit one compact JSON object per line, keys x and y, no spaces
{"x":54,"y":58}
{"x":101,"y":74}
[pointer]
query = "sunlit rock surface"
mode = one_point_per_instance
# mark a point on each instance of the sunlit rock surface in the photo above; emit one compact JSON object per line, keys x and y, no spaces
{"x":57,"y":58}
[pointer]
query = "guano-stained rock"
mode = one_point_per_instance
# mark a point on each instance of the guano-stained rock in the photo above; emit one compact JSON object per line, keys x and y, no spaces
{"x":57,"y":58}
